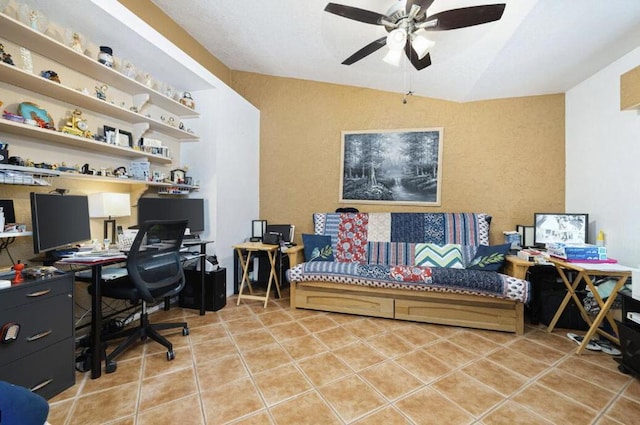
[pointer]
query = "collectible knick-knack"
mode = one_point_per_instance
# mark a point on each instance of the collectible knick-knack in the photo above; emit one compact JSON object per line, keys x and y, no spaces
{"x":27,"y":61}
{"x":101,"y":91}
{"x":187,"y":100}
{"x":6,"y":57}
{"x":105,"y":56}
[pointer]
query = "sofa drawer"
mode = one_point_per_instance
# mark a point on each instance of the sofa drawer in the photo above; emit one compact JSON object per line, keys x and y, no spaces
{"x":42,"y":323}
{"x":30,"y":290}
{"x":343,"y":302}
{"x":47,"y":372}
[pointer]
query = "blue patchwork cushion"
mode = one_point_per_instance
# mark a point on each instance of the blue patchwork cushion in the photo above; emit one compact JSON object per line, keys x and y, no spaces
{"x":489,"y":257}
{"x":433,"y":255}
{"x":317,"y":248}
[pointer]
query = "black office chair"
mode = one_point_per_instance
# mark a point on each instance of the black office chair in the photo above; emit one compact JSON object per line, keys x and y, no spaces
{"x":154,"y":273}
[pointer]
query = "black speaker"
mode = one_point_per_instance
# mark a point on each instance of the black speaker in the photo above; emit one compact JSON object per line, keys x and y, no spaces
{"x":215,"y":290}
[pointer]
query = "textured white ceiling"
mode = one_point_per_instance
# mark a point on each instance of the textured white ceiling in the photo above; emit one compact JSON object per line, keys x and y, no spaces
{"x":538,"y":47}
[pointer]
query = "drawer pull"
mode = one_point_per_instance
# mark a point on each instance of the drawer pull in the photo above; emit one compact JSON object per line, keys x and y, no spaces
{"x":40,"y":335}
{"x":41,"y":385}
{"x":39,"y":293}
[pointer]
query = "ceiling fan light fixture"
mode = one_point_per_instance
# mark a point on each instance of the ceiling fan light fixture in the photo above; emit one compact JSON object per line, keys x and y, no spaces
{"x":393,"y":57}
{"x":420,"y":43}
{"x":396,"y":39}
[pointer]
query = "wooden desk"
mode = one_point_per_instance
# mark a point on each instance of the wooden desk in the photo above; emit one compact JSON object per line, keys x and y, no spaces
{"x":250,"y":247}
{"x":584,"y":273}
{"x":517,"y":267}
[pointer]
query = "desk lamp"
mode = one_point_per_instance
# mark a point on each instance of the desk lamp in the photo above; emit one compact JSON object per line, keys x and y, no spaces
{"x":109,"y":205}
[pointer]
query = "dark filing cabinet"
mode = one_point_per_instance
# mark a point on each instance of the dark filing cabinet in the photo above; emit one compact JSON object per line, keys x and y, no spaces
{"x":629,"y":329}
{"x":215,"y":290}
{"x":37,"y":346}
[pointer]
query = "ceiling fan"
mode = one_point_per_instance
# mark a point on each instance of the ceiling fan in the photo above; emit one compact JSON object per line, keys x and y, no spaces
{"x":408,"y":23}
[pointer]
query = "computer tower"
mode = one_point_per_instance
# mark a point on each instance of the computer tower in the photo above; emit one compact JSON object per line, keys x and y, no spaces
{"x":215,"y":290}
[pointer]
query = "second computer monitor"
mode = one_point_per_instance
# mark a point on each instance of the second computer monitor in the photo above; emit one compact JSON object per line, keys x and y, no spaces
{"x":191,"y":209}
{"x":286,"y":230}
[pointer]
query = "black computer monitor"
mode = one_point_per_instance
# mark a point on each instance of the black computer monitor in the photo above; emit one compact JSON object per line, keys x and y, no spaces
{"x":191,"y":209}
{"x":59,"y":221}
{"x":560,"y":228}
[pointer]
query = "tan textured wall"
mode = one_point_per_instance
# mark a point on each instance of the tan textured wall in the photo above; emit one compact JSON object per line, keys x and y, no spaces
{"x":156,"y":18}
{"x":504,"y":157}
{"x":630,"y":89}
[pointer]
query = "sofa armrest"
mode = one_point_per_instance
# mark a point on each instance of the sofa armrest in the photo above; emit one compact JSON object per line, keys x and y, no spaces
{"x":295,"y":254}
{"x":516,"y":267}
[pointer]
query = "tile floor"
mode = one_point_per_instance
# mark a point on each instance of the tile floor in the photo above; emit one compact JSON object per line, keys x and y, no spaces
{"x":250,"y":365}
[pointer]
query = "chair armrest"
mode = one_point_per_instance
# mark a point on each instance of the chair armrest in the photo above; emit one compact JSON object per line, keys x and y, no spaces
{"x":295,"y":254}
{"x":516,"y":267}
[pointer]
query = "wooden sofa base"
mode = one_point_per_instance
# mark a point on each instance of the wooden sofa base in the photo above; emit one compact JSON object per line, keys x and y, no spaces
{"x":420,"y":306}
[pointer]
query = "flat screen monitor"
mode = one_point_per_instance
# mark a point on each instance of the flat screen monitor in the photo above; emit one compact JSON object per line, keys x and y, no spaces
{"x":286,"y":230}
{"x":560,"y":228}
{"x":59,"y":221}
{"x":191,"y":209}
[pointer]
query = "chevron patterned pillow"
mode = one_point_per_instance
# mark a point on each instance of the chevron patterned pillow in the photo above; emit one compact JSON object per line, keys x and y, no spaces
{"x":432,"y":255}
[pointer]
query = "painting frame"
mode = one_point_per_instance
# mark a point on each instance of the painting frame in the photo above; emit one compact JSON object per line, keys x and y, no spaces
{"x":397,"y":167}
{"x":124,"y":138}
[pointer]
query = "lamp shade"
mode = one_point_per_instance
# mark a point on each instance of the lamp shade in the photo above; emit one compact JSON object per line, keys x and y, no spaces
{"x":421,"y":44}
{"x":109,"y":205}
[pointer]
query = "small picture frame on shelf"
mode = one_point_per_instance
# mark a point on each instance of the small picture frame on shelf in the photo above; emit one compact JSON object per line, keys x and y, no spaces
{"x":118,"y":137}
{"x":178,"y":176}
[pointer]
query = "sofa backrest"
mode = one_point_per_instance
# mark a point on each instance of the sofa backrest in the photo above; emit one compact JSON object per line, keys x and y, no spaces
{"x":390,"y":238}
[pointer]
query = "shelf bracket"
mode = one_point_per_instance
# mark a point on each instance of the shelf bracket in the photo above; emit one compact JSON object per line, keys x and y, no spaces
{"x":139,"y":129}
{"x":140,"y":101}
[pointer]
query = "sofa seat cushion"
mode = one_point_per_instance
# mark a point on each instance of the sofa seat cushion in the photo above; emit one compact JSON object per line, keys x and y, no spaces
{"x":472,"y":282}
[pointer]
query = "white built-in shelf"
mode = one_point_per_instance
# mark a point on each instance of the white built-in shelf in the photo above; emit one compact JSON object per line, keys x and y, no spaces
{"x":17,"y":77}
{"x":119,"y":180}
{"x":41,"y":44}
{"x":77,"y":142}
{"x":6,"y":235}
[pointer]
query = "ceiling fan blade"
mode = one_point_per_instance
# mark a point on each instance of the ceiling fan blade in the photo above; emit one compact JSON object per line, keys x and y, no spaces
{"x":424,"y":5}
{"x":413,"y":57}
{"x":466,"y":17}
{"x":366,"y":51}
{"x":357,"y":14}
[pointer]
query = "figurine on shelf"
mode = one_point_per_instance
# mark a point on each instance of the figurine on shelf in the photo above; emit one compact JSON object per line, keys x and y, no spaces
{"x":6,"y":57}
{"x":128,"y":69}
{"x":18,"y":267}
{"x":101,"y":91}
{"x":50,"y":75}
{"x":105,"y":56}
{"x":148,"y":80}
{"x":77,"y":125}
{"x":187,"y":100}
{"x":34,"y":18}
{"x":76,"y":43}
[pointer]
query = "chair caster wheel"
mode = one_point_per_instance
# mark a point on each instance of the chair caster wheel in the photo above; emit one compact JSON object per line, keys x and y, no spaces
{"x":171,"y":355}
{"x":185,"y":331}
{"x":111,"y":366}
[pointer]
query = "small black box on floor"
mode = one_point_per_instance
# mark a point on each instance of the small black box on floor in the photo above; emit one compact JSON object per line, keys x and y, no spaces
{"x":215,"y":290}
{"x":570,"y":317}
{"x":630,"y":345}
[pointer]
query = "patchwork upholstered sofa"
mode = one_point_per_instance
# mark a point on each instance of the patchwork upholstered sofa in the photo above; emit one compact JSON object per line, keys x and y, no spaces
{"x":426,"y":267}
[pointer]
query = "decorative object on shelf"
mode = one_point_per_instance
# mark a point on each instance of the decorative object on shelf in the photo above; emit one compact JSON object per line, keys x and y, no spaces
{"x":27,"y":61}
{"x":187,"y":100}
{"x":77,"y":125}
{"x":118,"y":137}
{"x":128,"y":69}
{"x":50,"y":75}
{"x":13,"y":117}
{"x":18,"y":268}
{"x":3,"y":5}
{"x":134,"y":108}
{"x":32,"y":111}
{"x":87,"y":170}
{"x":101,"y":91}
{"x":74,"y":40}
{"x":6,"y":57}
{"x":33,"y":18}
{"x":178,"y":176}
{"x":120,"y":172}
{"x":148,"y":80}
{"x":105,"y":56}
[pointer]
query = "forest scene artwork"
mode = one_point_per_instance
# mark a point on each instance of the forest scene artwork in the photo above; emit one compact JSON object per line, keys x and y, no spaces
{"x":392,"y":166}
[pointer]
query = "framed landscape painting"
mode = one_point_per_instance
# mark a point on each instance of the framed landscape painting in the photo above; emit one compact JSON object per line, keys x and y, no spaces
{"x":391,"y":167}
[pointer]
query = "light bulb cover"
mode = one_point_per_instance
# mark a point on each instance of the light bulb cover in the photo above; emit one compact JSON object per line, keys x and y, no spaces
{"x":396,"y":39}
{"x":393,"y":57}
{"x":421,"y":44}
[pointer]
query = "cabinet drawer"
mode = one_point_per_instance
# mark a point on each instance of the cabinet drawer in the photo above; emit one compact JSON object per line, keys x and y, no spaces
{"x":30,"y":290}
{"x":47,"y":372}
{"x":42,"y":323}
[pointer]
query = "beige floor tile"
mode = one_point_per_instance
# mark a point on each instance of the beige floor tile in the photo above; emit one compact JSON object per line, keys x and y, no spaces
{"x":246,"y":324}
{"x":537,"y":351}
{"x":510,"y":413}
{"x":220,"y":371}
{"x":59,"y":411}
{"x":335,"y":338}
{"x":92,"y":408}
{"x":495,"y":376}
{"x":416,"y":334}
{"x":606,"y":378}
{"x":454,"y":355}
{"x":517,"y":362}
{"x":469,"y":393}
{"x":157,"y":364}
{"x":557,"y":341}
{"x":306,"y":409}
{"x":473,"y":342}
{"x":207,"y":332}
{"x":386,"y":416}
{"x":165,"y":388}
{"x":363,"y":328}
{"x":281,"y":383}
{"x":606,"y":420}
{"x":305,"y":346}
{"x":422,"y":365}
{"x":285,"y":331}
{"x":264,"y":358}
{"x":183,"y":411}
{"x":126,"y":371}
{"x":324,"y":368}
{"x":502,"y":338}
{"x":232,"y":401}
{"x":553,"y":406}
{"x":318,"y":323}
{"x":625,"y":410}
{"x":250,"y":340}
{"x":209,"y":350}
{"x":359,"y":355}
{"x":633,"y":390}
{"x":260,"y":418}
{"x":390,"y":345}
{"x":577,"y":389}
{"x":390,"y":380}
{"x":351,"y":397}
{"x":271,"y":318}
{"x":428,"y":407}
